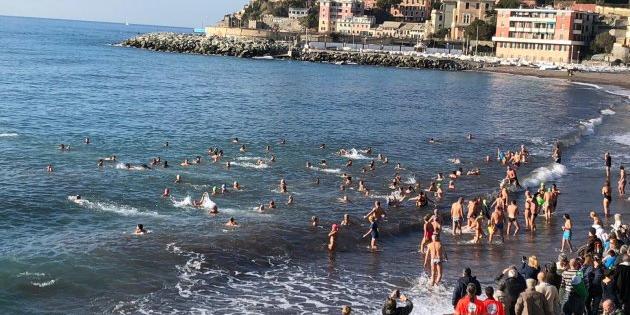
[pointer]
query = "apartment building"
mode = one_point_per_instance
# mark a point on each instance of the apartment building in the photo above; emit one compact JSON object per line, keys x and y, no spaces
{"x":331,"y":12}
{"x":543,"y":34}
{"x":411,"y":10}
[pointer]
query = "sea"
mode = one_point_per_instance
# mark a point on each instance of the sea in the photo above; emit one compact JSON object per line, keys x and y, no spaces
{"x":62,"y":81}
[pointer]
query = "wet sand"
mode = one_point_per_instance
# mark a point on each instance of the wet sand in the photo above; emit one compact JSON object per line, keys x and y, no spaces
{"x":617,"y":79}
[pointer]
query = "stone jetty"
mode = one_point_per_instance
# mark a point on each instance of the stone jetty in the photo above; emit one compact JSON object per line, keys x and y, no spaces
{"x":249,"y":48}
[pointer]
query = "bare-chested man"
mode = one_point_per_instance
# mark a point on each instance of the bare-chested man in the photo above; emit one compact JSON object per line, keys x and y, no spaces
{"x":512,"y":212}
{"x":472,"y":213}
{"x":496,"y":224}
{"x":548,"y":204}
{"x":434,"y":258}
{"x":457,"y":214}
{"x":376,"y":211}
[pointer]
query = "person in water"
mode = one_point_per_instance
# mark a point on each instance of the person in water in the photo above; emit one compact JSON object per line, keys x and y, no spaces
{"x":457,"y":215}
{"x":290,"y":200}
{"x":607,"y":164}
{"x":231,"y":223}
{"x":166,"y":193}
{"x":427,"y":236}
{"x":377,"y":212}
{"x":512,"y":212}
{"x":283,"y":186}
{"x":139,"y":230}
{"x":332,"y":237}
{"x":373,"y":231}
{"x":314,"y":221}
{"x":621,"y":184}
{"x":434,"y":258}
{"x":87,"y":140}
{"x":606,"y":193}
{"x":49,"y":168}
{"x":566,"y":233}
{"x":346,"y":220}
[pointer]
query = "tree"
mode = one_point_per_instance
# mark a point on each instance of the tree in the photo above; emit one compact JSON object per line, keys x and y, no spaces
{"x":387,"y":4}
{"x":603,"y":43}
{"x":508,"y":4}
{"x":486,"y":31}
{"x":441,"y":33}
{"x":312,"y":20}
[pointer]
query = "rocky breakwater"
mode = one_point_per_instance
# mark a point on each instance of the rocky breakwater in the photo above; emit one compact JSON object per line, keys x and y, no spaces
{"x":391,"y":60}
{"x":198,"y":44}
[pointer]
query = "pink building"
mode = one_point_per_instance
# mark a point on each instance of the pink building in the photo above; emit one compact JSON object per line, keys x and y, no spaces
{"x":332,"y":12}
{"x":412,"y":10}
{"x":543,"y":34}
{"x":369,"y":4}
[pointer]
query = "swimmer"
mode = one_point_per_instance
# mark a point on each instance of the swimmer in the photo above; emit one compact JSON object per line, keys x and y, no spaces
{"x":178,"y":179}
{"x":87,"y":140}
{"x":428,"y":233}
{"x":459,"y":172}
{"x":487,"y":159}
{"x":344,"y":199}
{"x":199,"y":203}
{"x":215,"y":190}
{"x":607,"y":197}
{"x":139,"y":230}
{"x":342,"y":188}
{"x":373,"y":231}
{"x":272,"y":204}
{"x":228,"y":164}
{"x":398,"y":167}
{"x":346,"y":220}
{"x":478,"y":227}
{"x":290,"y":200}
{"x":607,"y":163}
{"x":451,"y":185}
{"x":469,"y":137}
{"x":434,"y":258}
{"x":49,"y":168}
{"x":283,"y":186}
{"x":166,"y":144}
{"x":128,"y":166}
{"x":261,"y":208}
{"x":235,"y":140}
{"x":474,"y":172}
{"x":231,"y":223}
{"x":110,"y":159}
{"x":332,"y":237}
{"x":322,"y":146}
{"x":322,"y":163}
{"x":197,"y":160}
{"x":512,"y":212}
{"x":495,"y":225}
{"x":214,"y":209}
{"x":452,"y":175}
{"x":349,"y":163}
{"x":165,"y":164}
{"x":268,"y":148}
{"x":283,"y":141}
{"x":557,"y":153}
{"x":223,"y":189}
{"x":185,"y":163}
{"x":273,"y":158}
{"x":317,"y":181}
{"x":100,"y":163}
{"x":314,"y":221}
{"x":236,"y":186}
{"x":166,"y":193}
{"x":242,"y":149}
{"x":309,"y":165}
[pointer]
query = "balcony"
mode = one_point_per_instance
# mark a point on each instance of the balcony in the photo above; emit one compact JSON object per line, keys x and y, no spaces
{"x":577,"y":21}
{"x":577,"y":32}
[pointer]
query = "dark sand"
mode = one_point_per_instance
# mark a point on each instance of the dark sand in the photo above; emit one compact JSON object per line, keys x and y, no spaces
{"x":618,"y":79}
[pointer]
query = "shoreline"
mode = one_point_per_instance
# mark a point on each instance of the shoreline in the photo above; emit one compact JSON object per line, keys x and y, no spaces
{"x":619,"y":79}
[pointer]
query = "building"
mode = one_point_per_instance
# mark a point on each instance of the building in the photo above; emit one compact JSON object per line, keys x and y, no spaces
{"x":387,"y":29}
{"x":356,"y":25}
{"x":333,"y":11}
{"x":297,"y":13}
{"x":411,"y":10}
{"x":369,"y":4}
{"x":543,"y":34}
{"x":456,"y":15}
{"x":412,"y":30}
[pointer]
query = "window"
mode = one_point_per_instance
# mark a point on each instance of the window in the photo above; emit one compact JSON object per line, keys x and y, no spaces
{"x":466,"y":18}
{"x":477,"y":5}
{"x":467,"y":5}
{"x":487,"y":6}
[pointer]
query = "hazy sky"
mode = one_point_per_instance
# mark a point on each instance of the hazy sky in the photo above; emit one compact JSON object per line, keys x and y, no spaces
{"x":186,"y":13}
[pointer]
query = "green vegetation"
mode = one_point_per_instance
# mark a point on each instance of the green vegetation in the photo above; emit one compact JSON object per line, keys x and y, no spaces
{"x":259,"y":8}
{"x":387,"y":4}
{"x":603,"y":43}
{"x":441,"y":33}
{"x":508,"y":4}
{"x":312,"y":20}
{"x":486,"y":30}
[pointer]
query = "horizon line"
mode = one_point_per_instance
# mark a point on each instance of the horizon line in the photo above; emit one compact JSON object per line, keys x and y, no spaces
{"x":90,"y":21}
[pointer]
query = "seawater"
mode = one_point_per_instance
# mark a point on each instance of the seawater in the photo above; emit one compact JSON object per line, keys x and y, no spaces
{"x":61,"y":81}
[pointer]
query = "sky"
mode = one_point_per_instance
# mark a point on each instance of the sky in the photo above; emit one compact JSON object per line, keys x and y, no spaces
{"x":185,"y":13}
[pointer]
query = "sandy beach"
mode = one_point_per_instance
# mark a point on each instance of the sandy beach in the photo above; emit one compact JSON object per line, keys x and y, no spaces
{"x":617,"y":79}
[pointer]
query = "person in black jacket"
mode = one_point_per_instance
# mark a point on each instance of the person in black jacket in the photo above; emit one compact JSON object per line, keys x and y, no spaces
{"x":462,"y":283}
{"x":391,"y":308}
{"x":512,"y":284}
{"x":622,"y":280}
{"x":552,"y":276}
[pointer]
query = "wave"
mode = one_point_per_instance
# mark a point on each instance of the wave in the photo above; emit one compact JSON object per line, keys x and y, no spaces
{"x":8,"y":134}
{"x":188,"y":202}
{"x":589,"y":125}
{"x":31,"y":274}
{"x":545,"y":174}
{"x":327,"y":170}
{"x":354,"y":154}
{"x":607,"y":112}
{"x":44,"y":284}
{"x":411,"y":180}
{"x":250,"y":165}
{"x":121,"y":166}
{"x":124,"y":210}
{"x":622,"y":139}
{"x":588,"y":84}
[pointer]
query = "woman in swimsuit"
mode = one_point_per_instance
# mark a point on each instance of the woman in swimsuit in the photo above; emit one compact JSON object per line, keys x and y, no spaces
{"x":428,"y":232}
{"x":332,"y":237}
{"x":566,"y":234}
{"x":607,"y":197}
{"x":621,"y":185}
{"x":528,"y":210}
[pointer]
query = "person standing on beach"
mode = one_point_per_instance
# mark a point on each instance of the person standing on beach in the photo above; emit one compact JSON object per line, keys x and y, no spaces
{"x":496,"y":225}
{"x":332,"y":237}
{"x":457,"y":215}
{"x":621,"y":184}
{"x":607,"y":197}
{"x":434,"y":258}
{"x":566,"y":233}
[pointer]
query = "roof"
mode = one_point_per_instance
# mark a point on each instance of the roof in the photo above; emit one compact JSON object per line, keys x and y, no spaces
{"x":391,"y":24}
{"x":412,"y":27}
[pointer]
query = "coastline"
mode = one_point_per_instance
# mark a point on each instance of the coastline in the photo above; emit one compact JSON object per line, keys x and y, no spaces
{"x":621,"y":79}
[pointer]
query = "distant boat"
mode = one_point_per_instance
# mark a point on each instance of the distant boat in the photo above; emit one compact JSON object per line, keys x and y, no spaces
{"x":263,"y":57}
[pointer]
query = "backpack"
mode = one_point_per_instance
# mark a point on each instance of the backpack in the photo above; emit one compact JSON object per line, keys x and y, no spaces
{"x":578,"y":284}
